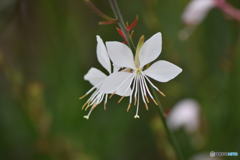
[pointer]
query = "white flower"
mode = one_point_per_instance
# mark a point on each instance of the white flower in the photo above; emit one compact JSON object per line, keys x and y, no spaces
{"x":196,"y":11}
{"x":97,"y":78}
{"x":186,"y":114}
{"x":135,"y":76}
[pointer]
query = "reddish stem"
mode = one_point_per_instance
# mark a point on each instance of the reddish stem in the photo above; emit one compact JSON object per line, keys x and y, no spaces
{"x":99,"y":12}
{"x":228,"y":9}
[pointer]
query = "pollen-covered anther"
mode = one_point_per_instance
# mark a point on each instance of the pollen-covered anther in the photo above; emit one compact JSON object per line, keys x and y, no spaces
{"x":84,"y":105}
{"x":154,"y":102}
{"x":119,"y":101}
{"x":135,"y":101}
{"x":111,"y":95}
{"x":88,"y":105}
{"x":129,"y":106}
{"x":146,"y":106}
{"x":160,"y":92}
{"x":146,"y":99}
{"x":105,"y":105}
{"x":83,"y":96}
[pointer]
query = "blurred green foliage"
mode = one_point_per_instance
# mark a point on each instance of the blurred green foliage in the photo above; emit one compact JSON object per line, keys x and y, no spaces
{"x":46,"y":46}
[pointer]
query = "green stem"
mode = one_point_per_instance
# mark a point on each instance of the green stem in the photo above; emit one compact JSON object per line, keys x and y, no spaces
{"x":171,"y":137}
{"x":121,"y":22}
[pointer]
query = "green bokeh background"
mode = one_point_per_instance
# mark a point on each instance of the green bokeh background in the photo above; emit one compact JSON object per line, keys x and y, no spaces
{"x":46,"y":47}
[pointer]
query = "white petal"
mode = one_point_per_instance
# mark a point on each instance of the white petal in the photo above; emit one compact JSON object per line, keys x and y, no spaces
{"x":196,"y":11}
{"x":120,"y":54}
{"x":118,"y":83}
{"x":125,"y":88}
{"x":163,"y":71}
{"x":102,"y":54}
{"x":95,"y":76}
{"x":151,"y":49}
{"x":116,"y":68}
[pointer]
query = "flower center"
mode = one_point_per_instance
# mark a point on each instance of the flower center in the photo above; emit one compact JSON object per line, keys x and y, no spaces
{"x":138,"y":71}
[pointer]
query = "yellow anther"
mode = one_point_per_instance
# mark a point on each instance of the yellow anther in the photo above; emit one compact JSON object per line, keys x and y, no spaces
{"x":160,"y":92}
{"x":84,"y":105}
{"x":129,"y":106}
{"x":83,"y":96}
{"x":119,"y":101}
{"x":155,"y":102}
{"x":146,"y":106}
{"x":146,"y":99}
{"x":111,"y":95}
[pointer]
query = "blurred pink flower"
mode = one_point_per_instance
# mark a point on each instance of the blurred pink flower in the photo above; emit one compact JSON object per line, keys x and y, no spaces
{"x":197,"y":10}
{"x":186,"y":114}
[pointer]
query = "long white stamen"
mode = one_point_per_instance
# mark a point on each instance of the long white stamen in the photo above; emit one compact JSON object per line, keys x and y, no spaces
{"x":89,"y":113}
{"x":146,"y":86}
{"x":95,"y":99}
{"x":142,"y":88}
{"x":138,"y":97}
{"x":92,"y":100}
{"x":95,"y":93}
{"x":88,"y":102}
{"x":105,"y":102}
{"x":143,"y":92}
{"x":154,"y":86}
{"x":136,"y":90}
{"x":101,"y":98}
{"x":150,"y":82}
{"x":90,"y":90}
{"x":98,"y":98}
{"x":134,"y":87}
{"x":131,"y":94}
{"x":149,"y":91}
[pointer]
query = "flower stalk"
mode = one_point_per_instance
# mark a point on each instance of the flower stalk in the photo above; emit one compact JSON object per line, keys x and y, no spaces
{"x":122,"y":26}
{"x":121,"y":22}
{"x":107,"y":19}
{"x":171,"y":137}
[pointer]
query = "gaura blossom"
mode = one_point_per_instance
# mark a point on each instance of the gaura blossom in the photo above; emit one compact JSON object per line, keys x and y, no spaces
{"x":97,"y":78}
{"x":186,"y":114}
{"x":197,"y":10}
{"x":136,"y":73}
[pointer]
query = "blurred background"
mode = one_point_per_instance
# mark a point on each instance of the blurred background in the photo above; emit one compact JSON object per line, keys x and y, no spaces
{"x":46,"y":47}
